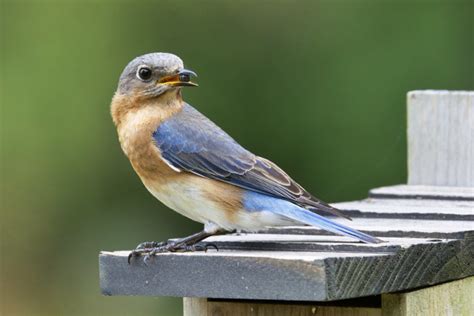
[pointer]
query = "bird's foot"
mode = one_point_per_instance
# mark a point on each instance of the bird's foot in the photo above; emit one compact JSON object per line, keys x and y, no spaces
{"x":151,"y":244}
{"x":150,"y":249}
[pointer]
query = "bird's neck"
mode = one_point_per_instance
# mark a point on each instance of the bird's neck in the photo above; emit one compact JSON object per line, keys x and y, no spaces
{"x":123,"y":106}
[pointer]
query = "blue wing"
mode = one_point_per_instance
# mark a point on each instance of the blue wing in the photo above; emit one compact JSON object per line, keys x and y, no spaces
{"x":190,"y":141}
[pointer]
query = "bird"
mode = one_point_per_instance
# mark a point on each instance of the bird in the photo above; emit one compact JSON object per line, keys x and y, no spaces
{"x":196,"y":169}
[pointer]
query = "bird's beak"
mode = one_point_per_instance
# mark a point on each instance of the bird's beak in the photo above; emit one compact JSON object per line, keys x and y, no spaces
{"x":181,"y":79}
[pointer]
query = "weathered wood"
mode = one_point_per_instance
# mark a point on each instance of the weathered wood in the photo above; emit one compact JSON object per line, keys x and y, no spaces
{"x":453,"y":298}
{"x":392,"y":227}
{"x":195,"y":306}
{"x":203,"y":307}
{"x":409,"y":209}
{"x":221,"y":275}
{"x":441,"y":138}
{"x":319,"y":275}
{"x":312,"y":243}
{"x":310,"y":263}
{"x":419,"y":265}
{"x":403,"y":191}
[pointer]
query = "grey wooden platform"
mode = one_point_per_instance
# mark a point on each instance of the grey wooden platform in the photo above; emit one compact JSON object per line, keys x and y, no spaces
{"x":434,"y":245}
{"x":427,"y":226}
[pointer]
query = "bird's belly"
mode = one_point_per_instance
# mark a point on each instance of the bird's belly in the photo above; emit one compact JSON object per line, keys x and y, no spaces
{"x":205,"y":200}
{"x":182,"y":198}
{"x":189,"y":196}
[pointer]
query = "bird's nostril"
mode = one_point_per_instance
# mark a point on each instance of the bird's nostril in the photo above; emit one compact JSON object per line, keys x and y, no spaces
{"x":184,"y":77}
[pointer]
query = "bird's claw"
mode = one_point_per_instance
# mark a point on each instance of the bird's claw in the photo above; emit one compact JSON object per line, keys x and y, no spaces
{"x":150,"y":249}
{"x":199,"y":247}
{"x":210,"y":245}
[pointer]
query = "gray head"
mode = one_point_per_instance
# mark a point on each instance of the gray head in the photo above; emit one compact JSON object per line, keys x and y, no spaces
{"x":153,"y":74}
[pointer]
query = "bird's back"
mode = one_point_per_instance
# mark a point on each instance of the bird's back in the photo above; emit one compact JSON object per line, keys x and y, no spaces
{"x":190,"y":141}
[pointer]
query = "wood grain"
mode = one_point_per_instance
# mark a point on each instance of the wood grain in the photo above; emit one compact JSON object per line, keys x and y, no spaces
{"x":403,"y":191}
{"x":441,"y":138}
{"x":434,"y":245}
{"x":203,"y":307}
{"x":419,"y":265}
{"x":324,"y":268}
{"x":453,"y":298}
{"x":393,"y":227}
{"x":195,"y":306}
{"x":409,"y":209}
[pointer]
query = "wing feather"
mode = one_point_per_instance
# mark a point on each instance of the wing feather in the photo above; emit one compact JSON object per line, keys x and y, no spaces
{"x":189,"y":141}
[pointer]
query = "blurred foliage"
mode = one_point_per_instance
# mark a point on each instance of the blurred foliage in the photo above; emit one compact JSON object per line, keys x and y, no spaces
{"x":316,"y":86}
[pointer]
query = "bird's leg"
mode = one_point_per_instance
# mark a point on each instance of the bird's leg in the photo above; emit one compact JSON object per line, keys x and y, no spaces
{"x":149,"y":249}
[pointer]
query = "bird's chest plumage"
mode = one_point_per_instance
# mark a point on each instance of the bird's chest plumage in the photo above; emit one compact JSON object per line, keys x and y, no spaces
{"x":177,"y":190}
{"x":136,"y":139}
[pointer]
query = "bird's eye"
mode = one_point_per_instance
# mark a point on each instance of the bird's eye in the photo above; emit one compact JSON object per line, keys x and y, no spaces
{"x":144,"y":73}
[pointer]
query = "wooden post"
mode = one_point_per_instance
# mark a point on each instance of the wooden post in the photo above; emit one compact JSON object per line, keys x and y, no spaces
{"x":203,"y":307}
{"x":450,"y":299}
{"x":440,"y":153}
{"x":441,"y":138}
{"x":453,"y":298}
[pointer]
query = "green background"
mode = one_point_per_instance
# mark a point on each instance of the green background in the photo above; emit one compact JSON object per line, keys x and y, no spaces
{"x":319,"y":87}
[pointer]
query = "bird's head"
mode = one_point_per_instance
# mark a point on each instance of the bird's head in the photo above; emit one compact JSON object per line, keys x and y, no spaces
{"x":151,"y":75}
{"x":147,"y":79}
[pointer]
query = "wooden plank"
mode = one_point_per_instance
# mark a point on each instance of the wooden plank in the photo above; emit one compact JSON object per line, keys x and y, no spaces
{"x":409,"y":208}
{"x":220,"y":275}
{"x":441,"y":138}
{"x":313,"y":243}
{"x":417,"y":266}
{"x":453,"y":298}
{"x":289,"y":275}
{"x":403,"y":191}
{"x":392,"y":227}
{"x":203,"y":307}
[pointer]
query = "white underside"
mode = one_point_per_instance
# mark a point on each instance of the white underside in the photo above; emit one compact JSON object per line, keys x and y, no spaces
{"x":189,"y":201}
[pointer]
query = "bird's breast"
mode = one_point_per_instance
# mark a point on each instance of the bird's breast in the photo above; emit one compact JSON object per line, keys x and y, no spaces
{"x":136,"y":139}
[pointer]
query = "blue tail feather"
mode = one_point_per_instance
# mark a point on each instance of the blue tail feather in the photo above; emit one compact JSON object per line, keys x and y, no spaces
{"x":302,"y":215}
{"x":255,"y":202}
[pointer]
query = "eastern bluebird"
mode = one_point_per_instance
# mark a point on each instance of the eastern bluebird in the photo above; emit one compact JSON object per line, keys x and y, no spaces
{"x":195,"y":168}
